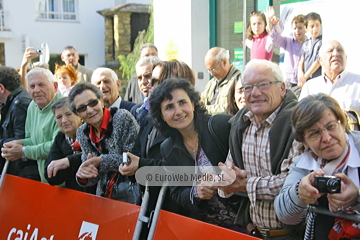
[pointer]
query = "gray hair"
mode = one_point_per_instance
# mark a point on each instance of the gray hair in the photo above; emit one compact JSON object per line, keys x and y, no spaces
{"x":151,"y":59}
{"x":80,"y":88}
{"x":96,"y":74}
{"x":249,"y":68}
{"x":222,"y":54}
{"x":62,"y":102}
{"x":148,"y":45}
{"x":68,"y":48}
{"x":48,"y":74}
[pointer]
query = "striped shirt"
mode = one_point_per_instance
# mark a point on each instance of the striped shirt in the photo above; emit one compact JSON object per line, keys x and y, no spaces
{"x":262,"y":186}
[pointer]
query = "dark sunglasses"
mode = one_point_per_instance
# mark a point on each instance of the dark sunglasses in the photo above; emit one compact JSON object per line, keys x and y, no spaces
{"x":91,"y":103}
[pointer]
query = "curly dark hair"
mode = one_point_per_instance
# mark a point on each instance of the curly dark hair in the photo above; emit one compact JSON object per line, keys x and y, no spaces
{"x":10,"y":78}
{"x":162,"y":93}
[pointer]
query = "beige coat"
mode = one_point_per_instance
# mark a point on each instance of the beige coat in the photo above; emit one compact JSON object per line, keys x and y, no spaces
{"x":221,"y":100}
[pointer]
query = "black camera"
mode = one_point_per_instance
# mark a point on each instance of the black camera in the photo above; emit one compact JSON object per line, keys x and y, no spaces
{"x":328,"y":184}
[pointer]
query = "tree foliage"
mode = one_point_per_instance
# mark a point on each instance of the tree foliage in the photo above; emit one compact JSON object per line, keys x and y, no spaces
{"x":128,"y":62}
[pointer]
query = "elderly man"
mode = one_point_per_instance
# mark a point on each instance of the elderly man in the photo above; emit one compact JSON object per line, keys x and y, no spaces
{"x":144,"y":68}
{"x":342,"y":85}
{"x":133,"y":93}
{"x":215,"y":94}
{"x":40,"y":125}
{"x":14,"y":100}
{"x":262,"y":146}
{"x":109,"y":84}
{"x":71,"y":57}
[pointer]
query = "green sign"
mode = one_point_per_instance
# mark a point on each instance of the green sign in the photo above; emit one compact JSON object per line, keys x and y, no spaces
{"x":238,"y":27}
{"x":238,"y":64}
{"x":238,"y":54}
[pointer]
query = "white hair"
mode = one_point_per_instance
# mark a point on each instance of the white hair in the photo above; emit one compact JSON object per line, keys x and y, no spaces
{"x":96,"y":74}
{"x":250,"y":66}
{"x":223,"y":54}
{"x":48,"y":74}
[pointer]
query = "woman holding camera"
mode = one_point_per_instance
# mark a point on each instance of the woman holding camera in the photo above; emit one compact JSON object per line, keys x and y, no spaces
{"x":103,"y":138}
{"x":329,"y":149}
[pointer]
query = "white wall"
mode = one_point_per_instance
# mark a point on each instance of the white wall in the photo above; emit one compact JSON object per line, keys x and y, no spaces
{"x":337,"y":24}
{"x":186,"y":24}
{"x":86,"y":34}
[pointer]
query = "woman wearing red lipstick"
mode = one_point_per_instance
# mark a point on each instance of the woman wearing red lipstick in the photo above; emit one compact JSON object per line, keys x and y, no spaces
{"x":329,"y":149}
{"x":180,"y":117}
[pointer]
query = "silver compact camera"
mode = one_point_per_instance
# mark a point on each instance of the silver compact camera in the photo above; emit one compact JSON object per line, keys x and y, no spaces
{"x":328,"y":184}
{"x":38,"y":51}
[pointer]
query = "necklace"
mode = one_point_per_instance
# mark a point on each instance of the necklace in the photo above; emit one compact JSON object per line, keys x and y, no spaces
{"x":192,"y":150}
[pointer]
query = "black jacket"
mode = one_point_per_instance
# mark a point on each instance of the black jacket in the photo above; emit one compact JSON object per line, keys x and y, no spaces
{"x":126,"y":105}
{"x":174,"y":153}
{"x":61,"y":149}
{"x":139,"y":112}
{"x":281,"y":140}
{"x":152,"y":159}
{"x":13,"y":117}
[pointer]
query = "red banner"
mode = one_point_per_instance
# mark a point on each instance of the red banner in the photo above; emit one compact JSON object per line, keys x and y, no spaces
{"x":31,"y":210}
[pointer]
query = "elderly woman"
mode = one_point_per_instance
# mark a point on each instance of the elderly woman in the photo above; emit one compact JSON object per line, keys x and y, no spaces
{"x":65,"y":158}
{"x":179,"y":116}
{"x":329,"y":149}
{"x":103,"y":138}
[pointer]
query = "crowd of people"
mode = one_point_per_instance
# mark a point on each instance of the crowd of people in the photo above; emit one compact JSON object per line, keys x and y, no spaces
{"x":283,"y":139}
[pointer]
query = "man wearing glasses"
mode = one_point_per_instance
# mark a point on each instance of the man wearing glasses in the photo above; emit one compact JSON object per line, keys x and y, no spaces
{"x":262,"y":148}
{"x":216,"y":90}
{"x":40,"y":125}
{"x":70,"y":57}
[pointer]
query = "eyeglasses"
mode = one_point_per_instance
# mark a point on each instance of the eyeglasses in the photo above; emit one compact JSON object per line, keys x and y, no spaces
{"x":315,"y":134}
{"x":213,"y":70}
{"x":91,"y":103}
{"x":261,"y":86}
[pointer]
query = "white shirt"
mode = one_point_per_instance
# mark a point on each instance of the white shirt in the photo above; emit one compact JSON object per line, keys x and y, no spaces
{"x":307,"y":162}
{"x":116,"y":104}
{"x":346,"y":89}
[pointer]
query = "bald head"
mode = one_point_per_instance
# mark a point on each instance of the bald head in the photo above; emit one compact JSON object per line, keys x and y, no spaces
{"x":332,"y":58}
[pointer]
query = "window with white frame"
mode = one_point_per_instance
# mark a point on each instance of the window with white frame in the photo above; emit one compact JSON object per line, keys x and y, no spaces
{"x":65,"y":10}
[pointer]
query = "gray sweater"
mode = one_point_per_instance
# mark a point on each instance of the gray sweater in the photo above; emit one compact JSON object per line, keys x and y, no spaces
{"x":288,"y":207}
{"x":119,"y":137}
